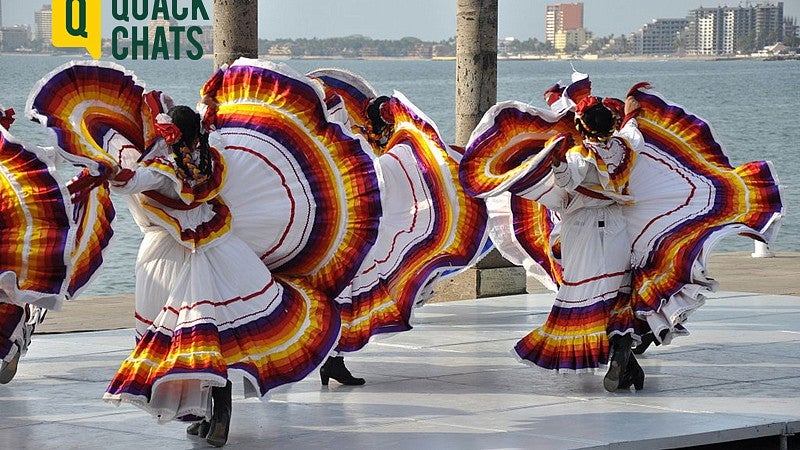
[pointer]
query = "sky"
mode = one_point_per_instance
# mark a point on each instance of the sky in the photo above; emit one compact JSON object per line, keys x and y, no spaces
{"x":429,"y":20}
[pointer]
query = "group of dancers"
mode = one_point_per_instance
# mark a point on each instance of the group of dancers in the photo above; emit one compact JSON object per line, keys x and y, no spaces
{"x":289,"y":217}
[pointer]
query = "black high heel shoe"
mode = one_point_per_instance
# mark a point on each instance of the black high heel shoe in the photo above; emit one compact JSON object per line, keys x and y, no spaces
{"x":620,"y":354}
{"x":199,"y":428}
{"x":33,"y":315}
{"x":220,"y":416}
{"x":647,"y":339}
{"x":634,"y":375}
{"x":334,"y":368}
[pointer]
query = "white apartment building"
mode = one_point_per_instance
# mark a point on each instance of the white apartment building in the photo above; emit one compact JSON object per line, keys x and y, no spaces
{"x":725,"y":30}
{"x":43,"y":21}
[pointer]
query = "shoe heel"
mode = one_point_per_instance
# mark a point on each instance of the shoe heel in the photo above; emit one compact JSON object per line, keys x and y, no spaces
{"x":199,"y":429}
{"x":334,"y":368}
{"x":218,"y":430}
{"x":638,"y":382}
{"x":647,"y":339}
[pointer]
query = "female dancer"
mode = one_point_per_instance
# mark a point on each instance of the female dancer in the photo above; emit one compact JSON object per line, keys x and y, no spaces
{"x":595,"y":255}
{"x":207,"y":305}
{"x":664,"y":194}
{"x":182,"y":182}
{"x":430,"y":228}
{"x":36,"y":240}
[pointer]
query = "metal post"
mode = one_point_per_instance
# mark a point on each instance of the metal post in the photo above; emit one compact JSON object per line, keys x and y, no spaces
{"x":762,"y":250}
{"x":783,"y":443}
{"x":235,"y":30}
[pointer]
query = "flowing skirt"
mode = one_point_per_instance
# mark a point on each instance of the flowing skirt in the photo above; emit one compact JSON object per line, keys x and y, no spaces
{"x":593,"y":301}
{"x":224,"y":313}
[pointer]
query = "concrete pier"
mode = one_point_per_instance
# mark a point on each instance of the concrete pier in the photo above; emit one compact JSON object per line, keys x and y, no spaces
{"x":736,"y":272}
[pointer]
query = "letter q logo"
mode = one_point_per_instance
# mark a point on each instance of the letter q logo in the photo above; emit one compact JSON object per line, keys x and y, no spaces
{"x":76,"y":23}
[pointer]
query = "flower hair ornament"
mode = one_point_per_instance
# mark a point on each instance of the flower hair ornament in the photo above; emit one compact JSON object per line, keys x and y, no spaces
{"x":586,"y":104}
{"x":168,"y":130}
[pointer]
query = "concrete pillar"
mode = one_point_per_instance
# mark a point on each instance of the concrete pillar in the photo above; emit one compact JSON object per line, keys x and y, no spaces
{"x":476,"y":92}
{"x":476,"y":63}
{"x":235,"y":30}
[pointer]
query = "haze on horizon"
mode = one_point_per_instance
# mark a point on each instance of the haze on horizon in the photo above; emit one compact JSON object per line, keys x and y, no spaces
{"x":429,"y":20}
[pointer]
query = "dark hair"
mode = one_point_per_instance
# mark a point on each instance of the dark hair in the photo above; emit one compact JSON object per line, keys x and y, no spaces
{"x":597,"y":122}
{"x":374,"y":114}
{"x":189,"y":122}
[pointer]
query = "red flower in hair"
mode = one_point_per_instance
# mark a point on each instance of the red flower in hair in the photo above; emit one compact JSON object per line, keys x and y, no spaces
{"x":7,"y":118}
{"x":585,"y":104}
{"x":168,"y":130}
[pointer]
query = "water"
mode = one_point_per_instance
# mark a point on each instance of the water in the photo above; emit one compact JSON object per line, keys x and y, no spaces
{"x":752,"y":106}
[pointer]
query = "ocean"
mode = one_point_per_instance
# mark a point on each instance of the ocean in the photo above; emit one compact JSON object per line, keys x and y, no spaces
{"x":751,"y":105}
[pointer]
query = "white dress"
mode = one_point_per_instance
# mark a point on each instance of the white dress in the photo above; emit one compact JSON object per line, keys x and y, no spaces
{"x":685,"y":196}
{"x":237,"y":273}
{"x":202,"y":296}
{"x":593,"y":299}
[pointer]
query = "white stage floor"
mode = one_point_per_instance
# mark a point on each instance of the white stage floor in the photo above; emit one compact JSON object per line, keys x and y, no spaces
{"x":451,"y":383}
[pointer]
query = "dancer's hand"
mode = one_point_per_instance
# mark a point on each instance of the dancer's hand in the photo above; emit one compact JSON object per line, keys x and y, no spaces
{"x":122,"y":177}
{"x":632,"y":106}
{"x":208,"y":107}
{"x":559,"y":153}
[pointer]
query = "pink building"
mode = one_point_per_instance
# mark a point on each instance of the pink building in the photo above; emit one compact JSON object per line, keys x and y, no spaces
{"x":562,"y":17}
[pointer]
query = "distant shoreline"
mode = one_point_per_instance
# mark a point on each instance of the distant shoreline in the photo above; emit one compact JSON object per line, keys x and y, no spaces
{"x":628,"y":58}
{"x":632,"y":58}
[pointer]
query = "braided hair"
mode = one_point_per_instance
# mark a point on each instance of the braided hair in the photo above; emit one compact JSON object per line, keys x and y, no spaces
{"x":189,"y":122}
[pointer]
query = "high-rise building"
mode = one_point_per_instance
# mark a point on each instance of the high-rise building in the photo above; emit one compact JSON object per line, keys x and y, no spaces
{"x":15,"y":38}
{"x":728,"y":30}
{"x":768,"y":24}
{"x":562,"y":17}
{"x":790,"y":29}
{"x":659,"y":37}
{"x":43,"y":19}
{"x":736,"y":22}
